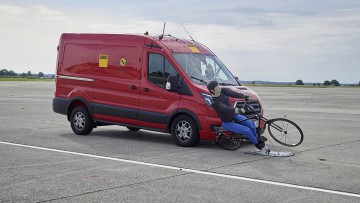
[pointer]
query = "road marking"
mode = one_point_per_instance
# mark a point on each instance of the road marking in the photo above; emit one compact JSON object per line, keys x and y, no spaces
{"x":189,"y":170}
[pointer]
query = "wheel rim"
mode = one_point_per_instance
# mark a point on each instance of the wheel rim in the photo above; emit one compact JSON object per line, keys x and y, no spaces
{"x":288,"y":134}
{"x":229,"y":142}
{"x":183,"y":131}
{"x":79,"y":120}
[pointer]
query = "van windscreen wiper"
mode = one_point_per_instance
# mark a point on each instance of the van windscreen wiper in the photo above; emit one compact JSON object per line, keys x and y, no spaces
{"x":226,"y":84}
{"x":201,"y":80}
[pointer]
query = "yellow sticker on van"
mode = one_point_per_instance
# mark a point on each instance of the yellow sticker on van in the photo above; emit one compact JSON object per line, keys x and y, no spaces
{"x":123,"y":62}
{"x":103,"y":60}
{"x":193,"y":48}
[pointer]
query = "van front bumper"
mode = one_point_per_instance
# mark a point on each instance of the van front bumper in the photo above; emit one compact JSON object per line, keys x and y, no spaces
{"x":208,"y":124}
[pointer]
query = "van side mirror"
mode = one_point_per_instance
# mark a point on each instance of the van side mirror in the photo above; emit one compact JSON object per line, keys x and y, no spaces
{"x":172,"y":84}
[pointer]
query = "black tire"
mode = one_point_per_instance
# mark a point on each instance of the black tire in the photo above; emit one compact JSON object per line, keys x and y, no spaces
{"x":184,"y":131}
{"x":80,"y":121}
{"x":229,"y":141}
{"x":132,"y":128}
{"x":285,"y":132}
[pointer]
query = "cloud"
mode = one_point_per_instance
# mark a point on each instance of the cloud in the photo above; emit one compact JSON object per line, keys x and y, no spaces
{"x":10,"y":9}
{"x":46,"y":12}
{"x":261,"y":36}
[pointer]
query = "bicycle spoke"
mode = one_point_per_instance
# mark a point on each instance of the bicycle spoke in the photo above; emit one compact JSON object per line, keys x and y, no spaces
{"x":282,"y":137}
{"x":287,"y":126}
{"x":292,"y":129}
{"x":287,"y":135}
{"x":293,"y":133}
{"x":282,"y":123}
{"x":290,"y":140}
{"x":295,"y":130}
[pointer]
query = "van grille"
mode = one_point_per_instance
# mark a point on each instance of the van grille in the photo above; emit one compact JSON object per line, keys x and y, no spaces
{"x":255,"y":105}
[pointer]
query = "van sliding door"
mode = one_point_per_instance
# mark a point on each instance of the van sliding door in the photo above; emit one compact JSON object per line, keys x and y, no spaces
{"x":116,"y":92}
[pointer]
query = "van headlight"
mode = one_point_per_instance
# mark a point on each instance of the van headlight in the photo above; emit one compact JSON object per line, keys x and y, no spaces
{"x":207,"y":99}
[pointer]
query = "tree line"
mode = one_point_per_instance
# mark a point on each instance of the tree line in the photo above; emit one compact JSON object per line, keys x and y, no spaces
{"x":11,"y":73}
{"x":333,"y":82}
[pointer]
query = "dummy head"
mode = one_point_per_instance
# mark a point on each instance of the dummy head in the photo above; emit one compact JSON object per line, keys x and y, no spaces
{"x":214,"y":88}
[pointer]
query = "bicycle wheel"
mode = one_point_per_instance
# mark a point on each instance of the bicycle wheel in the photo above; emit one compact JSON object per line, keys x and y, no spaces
{"x":228,"y":141}
{"x":285,"y":132}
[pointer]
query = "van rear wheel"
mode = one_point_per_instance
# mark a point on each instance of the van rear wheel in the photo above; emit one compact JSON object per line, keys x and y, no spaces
{"x":80,"y":121}
{"x":185,"y":132}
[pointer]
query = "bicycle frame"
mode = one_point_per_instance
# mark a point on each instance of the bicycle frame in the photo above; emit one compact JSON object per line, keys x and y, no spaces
{"x":259,"y":118}
{"x":233,"y":141}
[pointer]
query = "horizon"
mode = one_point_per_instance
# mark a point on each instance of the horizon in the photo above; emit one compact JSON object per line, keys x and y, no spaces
{"x":242,"y":81}
{"x":257,"y":40}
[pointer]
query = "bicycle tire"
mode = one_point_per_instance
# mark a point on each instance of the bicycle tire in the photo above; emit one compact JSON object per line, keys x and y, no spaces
{"x":228,"y":142}
{"x":279,"y":129}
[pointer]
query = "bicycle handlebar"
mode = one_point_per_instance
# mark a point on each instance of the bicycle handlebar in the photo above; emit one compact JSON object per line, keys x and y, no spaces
{"x":248,"y":107}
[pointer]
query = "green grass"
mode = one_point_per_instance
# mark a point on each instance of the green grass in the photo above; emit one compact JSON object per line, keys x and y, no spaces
{"x":24,"y":79}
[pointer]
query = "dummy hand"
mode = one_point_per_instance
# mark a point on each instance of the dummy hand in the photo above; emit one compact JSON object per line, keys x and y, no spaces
{"x":239,"y":111}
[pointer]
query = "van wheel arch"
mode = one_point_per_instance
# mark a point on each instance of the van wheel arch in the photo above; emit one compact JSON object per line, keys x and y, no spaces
{"x":75,"y":102}
{"x":180,"y":112}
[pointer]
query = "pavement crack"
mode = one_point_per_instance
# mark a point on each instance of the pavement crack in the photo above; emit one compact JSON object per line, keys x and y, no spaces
{"x":341,"y":162}
{"x":307,"y":150}
{"x":269,"y":157}
{"x":112,"y":188}
{"x":240,"y":163}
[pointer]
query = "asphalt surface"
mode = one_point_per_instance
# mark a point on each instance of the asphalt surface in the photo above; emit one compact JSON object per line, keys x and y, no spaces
{"x":42,"y":160}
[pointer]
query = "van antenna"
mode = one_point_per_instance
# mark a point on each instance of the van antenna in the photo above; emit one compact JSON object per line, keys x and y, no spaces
{"x":187,"y":32}
{"x":163,"y":31}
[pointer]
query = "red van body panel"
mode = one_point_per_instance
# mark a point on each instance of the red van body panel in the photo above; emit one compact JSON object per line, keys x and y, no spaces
{"x":109,"y":75}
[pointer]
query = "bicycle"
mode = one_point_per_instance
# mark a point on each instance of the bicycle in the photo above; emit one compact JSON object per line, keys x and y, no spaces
{"x":282,"y":130}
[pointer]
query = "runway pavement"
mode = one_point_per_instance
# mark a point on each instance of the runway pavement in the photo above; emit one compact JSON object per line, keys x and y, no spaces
{"x":42,"y":160}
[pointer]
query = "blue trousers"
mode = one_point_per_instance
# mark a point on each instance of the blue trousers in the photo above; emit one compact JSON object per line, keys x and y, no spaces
{"x":246,"y":128}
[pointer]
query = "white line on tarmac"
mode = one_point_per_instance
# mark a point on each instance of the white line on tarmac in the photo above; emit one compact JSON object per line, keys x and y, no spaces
{"x":190,"y":170}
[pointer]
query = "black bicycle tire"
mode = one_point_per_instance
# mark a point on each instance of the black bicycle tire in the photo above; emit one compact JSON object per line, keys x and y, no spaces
{"x":228,"y":143}
{"x":269,"y":126}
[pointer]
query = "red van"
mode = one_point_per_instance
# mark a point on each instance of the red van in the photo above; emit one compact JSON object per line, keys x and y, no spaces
{"x":116,"y":79}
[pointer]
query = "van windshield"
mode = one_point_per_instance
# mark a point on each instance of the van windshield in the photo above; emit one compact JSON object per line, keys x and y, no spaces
{"x":202,"y":68}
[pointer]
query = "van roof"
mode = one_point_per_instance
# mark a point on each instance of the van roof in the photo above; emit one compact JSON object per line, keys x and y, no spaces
{"x":183,"y":45}
{"x":173,"y":44}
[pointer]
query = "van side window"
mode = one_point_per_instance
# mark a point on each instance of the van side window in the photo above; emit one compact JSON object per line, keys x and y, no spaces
{"x":159,"y":69}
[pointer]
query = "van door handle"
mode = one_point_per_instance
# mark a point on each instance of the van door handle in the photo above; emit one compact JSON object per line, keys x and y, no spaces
{"x":145,"y":89}
{"x":133,"y":87}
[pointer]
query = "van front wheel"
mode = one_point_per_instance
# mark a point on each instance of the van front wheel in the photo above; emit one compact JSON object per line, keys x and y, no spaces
{"x":80,"y":121}
{"x":185,"y":132}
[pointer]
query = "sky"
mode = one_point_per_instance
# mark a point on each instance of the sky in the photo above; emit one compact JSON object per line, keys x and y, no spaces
{"x":268,"y":40}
